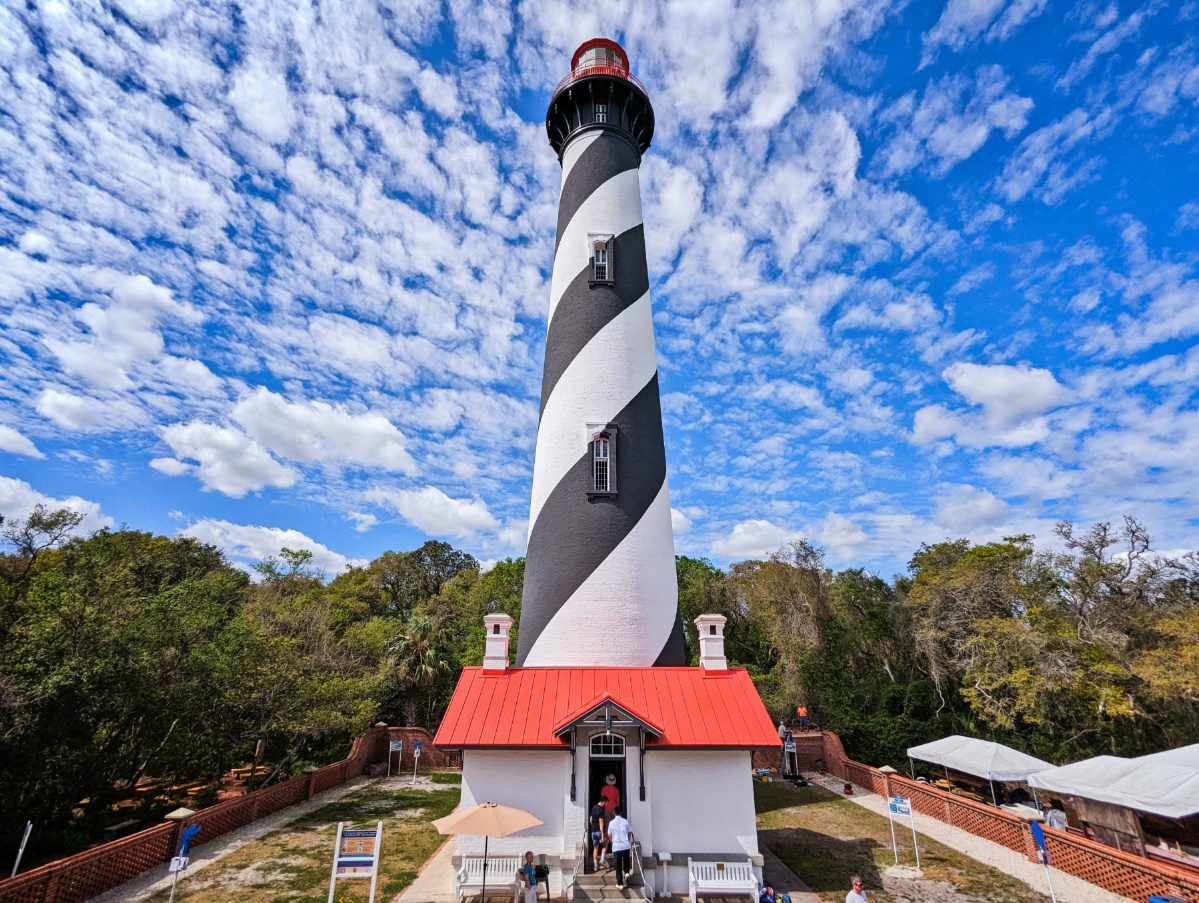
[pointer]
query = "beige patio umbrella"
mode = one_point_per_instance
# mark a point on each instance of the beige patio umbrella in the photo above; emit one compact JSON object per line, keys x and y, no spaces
{"x":488,"y":820}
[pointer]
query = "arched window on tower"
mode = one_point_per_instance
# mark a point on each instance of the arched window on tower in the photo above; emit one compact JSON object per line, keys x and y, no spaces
{"x":601,"y":261}
{"x":602,"y":445}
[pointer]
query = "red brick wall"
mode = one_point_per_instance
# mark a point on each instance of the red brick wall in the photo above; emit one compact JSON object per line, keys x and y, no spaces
{"x":80,"y":877}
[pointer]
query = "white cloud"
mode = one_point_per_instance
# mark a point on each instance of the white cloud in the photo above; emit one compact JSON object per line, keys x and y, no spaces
{"x":252,"y":543}
{"x":82,"y":413}
{"x":318,"y":431}
{"x":680,"y":523}
{"x":228,"y":460}
{"x":18,"y":499}
{"x":842,"y":535}
{"x":968,"y":511}
{"x":17,"y":443}
{"x":435,"y":513}
{"x":751,"y":539}
{"x":260,"y":97}
{"x":362,"y":522}
{"x":952,"y":121}
{"x":1007,"y":394}
{"x":964,"y":21}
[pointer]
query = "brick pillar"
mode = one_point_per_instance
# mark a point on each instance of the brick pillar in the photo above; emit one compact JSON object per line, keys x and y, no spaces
{"x":311,"y":785}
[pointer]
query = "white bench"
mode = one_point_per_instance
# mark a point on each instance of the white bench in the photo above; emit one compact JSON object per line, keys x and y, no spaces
{"x":501,"y":873}
{"x":721,"y":878}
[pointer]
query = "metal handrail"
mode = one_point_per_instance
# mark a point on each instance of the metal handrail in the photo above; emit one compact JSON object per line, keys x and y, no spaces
{"x":580,"y":861}
{"x":585,"y":71}
{"x":645,"y":889}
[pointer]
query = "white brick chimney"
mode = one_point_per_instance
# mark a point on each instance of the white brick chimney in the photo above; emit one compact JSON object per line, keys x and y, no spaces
{"x":711,"y":642}
{"x":495,"y":658}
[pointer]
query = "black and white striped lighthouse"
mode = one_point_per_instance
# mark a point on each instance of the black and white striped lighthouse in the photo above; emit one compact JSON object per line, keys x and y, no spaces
{"x":600,"y":586}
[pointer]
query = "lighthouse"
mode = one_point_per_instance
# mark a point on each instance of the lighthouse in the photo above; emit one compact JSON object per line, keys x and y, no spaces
{"x":600,"y":585}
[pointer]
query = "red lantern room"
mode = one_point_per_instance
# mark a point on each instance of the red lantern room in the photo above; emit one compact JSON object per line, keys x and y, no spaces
{"x":600,"y":92}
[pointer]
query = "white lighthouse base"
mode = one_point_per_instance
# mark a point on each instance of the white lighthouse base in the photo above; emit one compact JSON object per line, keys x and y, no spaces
{"x":698,"y":804}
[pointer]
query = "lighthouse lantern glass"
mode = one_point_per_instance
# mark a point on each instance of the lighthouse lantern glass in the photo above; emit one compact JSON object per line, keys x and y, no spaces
{"x":599,"y":56}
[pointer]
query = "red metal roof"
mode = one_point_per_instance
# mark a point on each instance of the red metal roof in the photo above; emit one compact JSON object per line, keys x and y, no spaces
{"x":524,"y":706}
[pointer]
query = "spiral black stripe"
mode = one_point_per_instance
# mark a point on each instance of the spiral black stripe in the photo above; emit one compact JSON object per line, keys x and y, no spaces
{"x":585,"y":309}
{"x":606,"y":156}
{"x":574,"y":534}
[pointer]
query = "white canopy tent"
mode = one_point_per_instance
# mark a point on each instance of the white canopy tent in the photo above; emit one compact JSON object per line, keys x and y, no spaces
{"x":1165,"y":783}
{"x":981,"y":758}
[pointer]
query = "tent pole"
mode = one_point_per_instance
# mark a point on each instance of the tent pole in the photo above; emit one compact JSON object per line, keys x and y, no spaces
{"x":911,"y":768}
{"x":993,"y":802}
{"x":1036,"y":801}
{"x":483,"y":897}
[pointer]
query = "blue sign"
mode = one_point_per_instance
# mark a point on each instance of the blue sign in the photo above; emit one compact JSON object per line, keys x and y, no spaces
{"x":1038,"y":834}
{"x":900,"y":805}
{"x":185,"y":841}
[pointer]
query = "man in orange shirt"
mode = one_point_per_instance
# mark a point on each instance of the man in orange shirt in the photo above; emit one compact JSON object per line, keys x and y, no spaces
{"x":803,"y":717}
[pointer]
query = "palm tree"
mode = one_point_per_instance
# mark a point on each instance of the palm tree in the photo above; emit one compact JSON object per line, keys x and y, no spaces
{"x":421,"y":658}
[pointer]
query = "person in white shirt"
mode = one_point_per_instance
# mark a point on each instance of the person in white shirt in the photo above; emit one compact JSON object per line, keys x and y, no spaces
{"x":857,"y":894}
{"x":620,"y":834}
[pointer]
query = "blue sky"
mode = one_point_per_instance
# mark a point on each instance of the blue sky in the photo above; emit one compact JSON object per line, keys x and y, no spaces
{"x":277,"y":274}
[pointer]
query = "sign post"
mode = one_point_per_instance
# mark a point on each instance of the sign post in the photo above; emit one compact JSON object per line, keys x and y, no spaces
{"x":1038,"y":834}
{"x":21,"y":852}
{"x":395,"y":746}
{"x":891,"y":807}
{"x":356,"y":855}
{"x":789,"y":755}
{"x":900,"y":805}
{"x":415,"y":759}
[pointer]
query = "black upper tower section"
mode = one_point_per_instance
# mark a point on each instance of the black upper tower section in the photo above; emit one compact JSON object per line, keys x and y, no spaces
{"x":600,"y":93}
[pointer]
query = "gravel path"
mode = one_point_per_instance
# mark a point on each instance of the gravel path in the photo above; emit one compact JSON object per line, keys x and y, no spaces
{"x":1068,"y":888}
{"x":156,"y":879}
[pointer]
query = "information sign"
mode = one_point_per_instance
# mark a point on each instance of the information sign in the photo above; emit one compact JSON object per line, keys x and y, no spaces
{"x":178,"y":864}
{"x":901,"y":805}
{"x":356,"y":855}
{"x":415,"y":758}
{"x":416,"y":749}
{"x":789,"y":747}
{"x":396,"y":745}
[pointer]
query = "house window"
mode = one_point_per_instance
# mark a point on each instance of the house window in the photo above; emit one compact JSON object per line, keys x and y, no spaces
{"x":602,"y":463}
{"x":607,"y":746}
{"x":601,"y":262}
{"x":601,"y":112}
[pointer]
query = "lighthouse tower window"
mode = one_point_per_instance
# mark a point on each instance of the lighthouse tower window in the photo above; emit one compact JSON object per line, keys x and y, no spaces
{"x":601,"y":112}
{"x":601,"y":263}
{"x":602,"y":462}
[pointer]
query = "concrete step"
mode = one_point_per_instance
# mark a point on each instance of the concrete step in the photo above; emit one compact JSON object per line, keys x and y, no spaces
{"x":601,"y":894}
{"x":605,"y":878}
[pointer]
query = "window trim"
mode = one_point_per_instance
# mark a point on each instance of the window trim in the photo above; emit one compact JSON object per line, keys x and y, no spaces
{"x":595,"y":239}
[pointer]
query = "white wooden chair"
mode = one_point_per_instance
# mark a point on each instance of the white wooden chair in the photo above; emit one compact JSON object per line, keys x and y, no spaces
{"x":501,"y":873}
{"x":724,"y":878}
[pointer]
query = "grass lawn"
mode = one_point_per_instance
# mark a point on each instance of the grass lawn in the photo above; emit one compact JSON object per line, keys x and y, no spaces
{"x":293,"y":863}
{"x":825,"y":838}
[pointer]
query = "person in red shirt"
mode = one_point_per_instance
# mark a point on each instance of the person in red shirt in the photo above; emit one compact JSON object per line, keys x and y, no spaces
{"x":610,"y":794}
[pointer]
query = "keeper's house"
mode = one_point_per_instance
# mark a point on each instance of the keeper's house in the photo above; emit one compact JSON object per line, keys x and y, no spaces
{"x":679,"y":742}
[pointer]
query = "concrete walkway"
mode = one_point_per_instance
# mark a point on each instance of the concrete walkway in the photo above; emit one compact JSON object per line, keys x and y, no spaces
{"x":784,"y":881}
{"x":1068,"y":888}
{"x":435,"y":883}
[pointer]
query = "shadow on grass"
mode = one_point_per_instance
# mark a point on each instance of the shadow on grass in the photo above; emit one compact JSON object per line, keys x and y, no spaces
{"x":781,"y":795}
{"x":824,"y":863}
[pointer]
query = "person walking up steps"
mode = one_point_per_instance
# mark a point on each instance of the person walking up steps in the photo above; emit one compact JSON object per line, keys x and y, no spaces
{"x":598,"y":826}
{"x":620,"y":833}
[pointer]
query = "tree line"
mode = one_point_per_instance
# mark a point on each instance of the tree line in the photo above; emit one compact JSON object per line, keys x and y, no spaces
{"x":126,"y":655}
